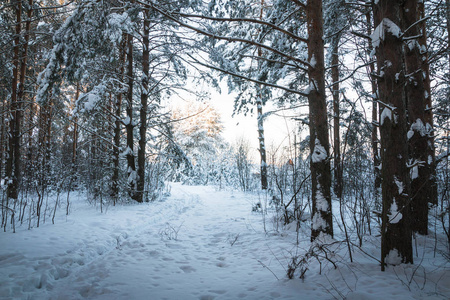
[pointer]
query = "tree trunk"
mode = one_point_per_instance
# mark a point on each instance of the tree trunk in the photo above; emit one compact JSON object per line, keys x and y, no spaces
{"x":375,"y":123}
{"x":74,"y":142}
{"x":144,"y":107}
{"x":116,"y":149}
{"x":262,"y":144}
{"x":260,"y":120}
{"x":3,"y":146}
{"x":396,"y":244}
{"x":420,"y":130}
{"x":48,"y":143}
{"x":447,"y":14}
{"x":322,"y":218}
{"x":336,"y":117}
{"x":118,"y":124}
{"x":93,"y":165}
{"x":45,"y":128}
{"x":75,"y":133}
{"x":30,"y":165}
{"x":21,"y":87}
{"x":129,"y":123}
{"x":13,"y":161}
{"x":429,"y":118}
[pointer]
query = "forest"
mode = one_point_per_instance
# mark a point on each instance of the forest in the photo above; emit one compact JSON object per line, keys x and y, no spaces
{"x":86,"y":116}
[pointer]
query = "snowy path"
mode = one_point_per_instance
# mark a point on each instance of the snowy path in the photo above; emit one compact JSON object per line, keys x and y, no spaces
{"x":197,"y":244}
{"x":133,"y":252}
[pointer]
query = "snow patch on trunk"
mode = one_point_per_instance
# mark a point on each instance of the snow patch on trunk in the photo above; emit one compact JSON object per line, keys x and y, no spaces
{"x":386,"y":113}
{"x":394,"y":215}
{"x":414,"y":172}
{"x":419,"y":127}
{"x":321,"y":202}
{"x":399,"y":184}
{"x":318,"y":222}
{"x":313,"y":86}
{"x":393,"y":258}
{"x":319,"y":154}
{"x":313,"y":61}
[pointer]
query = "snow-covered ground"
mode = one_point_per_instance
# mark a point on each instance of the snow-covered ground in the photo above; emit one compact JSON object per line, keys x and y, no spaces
{"x":199,"y":243}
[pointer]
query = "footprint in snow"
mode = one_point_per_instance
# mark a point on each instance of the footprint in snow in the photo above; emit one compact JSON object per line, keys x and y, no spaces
{"x":188,"y":269}
{"x":220,"y":292}
{"x":221,"y":265}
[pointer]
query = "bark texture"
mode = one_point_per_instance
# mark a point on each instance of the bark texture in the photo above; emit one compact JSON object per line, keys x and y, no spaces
{"x":322,"y":219}
{"x":131,"y":166}
{"x":118,"y":124}
{"x":262,"y":144}
{"x":143,"y":109}
{"x":13,"y":158}
{"x":338,"y":184}
{"x":375,"y":123}
{"x":429,"y":118}
{"x":260,"y":120}
{"x":419,"y":111}
{"x":396,"y":243}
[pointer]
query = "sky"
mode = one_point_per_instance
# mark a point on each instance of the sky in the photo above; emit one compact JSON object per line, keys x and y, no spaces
{"x":239,"y":126}
{"x":275,"y":127}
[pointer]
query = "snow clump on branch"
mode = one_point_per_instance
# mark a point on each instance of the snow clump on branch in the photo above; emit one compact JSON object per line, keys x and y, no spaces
{"x":379,"y":33}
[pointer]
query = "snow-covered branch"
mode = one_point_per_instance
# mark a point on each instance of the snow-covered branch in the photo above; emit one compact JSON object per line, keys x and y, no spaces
{"x":248,"y":78}
{"x":248,"y":20}
{"x":226,"y":38}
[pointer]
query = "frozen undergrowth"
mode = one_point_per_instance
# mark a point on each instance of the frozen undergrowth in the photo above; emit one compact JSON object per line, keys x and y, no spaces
{"x":199,"y":243}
